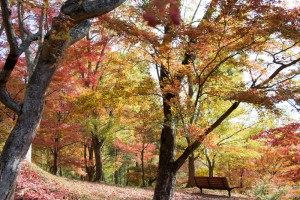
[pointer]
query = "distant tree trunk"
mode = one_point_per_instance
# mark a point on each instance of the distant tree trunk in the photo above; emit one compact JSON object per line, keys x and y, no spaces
{"x":143,"y":167}
{"x":210,"y":171}
{"x":191,"y":172}
{"x":151,"y":181}
{"x":97,"y":147}
{"x":54,"y":167}
{"x":210,"y":164}
{"x":88,"y":161}
{"x":60,"y":171}
{"x":116,"y":177}
{"x":241,"y":178}
{"x":127,"y":180}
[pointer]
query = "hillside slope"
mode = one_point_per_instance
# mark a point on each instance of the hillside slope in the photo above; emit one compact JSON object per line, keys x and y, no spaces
{"x":34,"y":183}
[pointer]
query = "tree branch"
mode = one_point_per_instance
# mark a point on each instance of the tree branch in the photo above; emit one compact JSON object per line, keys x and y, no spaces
{"x":80,"y":10}
{"x":180,"y":161}
{"x":4,"y":76}
{"x":79,"y":31}
{"x":9,"y":29}
{"x":277,"y":71}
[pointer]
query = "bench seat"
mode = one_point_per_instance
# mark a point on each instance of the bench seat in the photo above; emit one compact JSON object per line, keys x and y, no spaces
{"x":214,"y":183}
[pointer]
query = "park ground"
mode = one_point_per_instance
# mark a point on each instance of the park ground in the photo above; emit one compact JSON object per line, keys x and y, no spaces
{"x":34,"y":183}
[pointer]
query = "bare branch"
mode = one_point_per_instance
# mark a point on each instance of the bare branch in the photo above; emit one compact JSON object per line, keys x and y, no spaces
{"x":4,"y":96}
{"x":277,"y":71}
{"x":20,"y":16}
{"x":9,"y":29}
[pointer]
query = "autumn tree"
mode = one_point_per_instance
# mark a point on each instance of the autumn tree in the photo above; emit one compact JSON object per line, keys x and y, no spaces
{"x":91,"y":69}
{"x":70,"y":25}
{"x":142,"y":146}
{"x":282,"y":142}
{"x":58,"y":134}
{"x":221,"y":44}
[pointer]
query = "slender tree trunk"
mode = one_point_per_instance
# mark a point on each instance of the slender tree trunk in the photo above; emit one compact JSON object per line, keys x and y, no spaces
{"x":90,"y":167}
{"x":116,"y":177}
{"x":191,"y":172}
{"x":60,"y":171}
{"x":143,"y":167}
{"x":97,"y":147}
{"x":88,"y":161}
{"x":211,"y":171}
{"x":127,"y":180}
{"x":54,"y":167}
{"x":241,"y":178}
{"x":210,"y":164}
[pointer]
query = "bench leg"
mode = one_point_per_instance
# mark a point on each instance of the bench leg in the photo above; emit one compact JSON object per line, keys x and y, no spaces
{"x":201,"y":190}
{"x":229,"y":194}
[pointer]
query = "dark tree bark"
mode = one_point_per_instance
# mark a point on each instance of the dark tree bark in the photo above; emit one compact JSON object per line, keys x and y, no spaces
{"x":211,"y":171}
{"x":143,"y":166}
{"x":71,"y":21}
{"x":97,"y":147}
{"x":88,"y":161}
{"x":210,"y":164}
{"x":166,"y":178}
{"x":168,"y":167}
{"x":54,"y":167}
{"x":191,"y":172}
{"x":116,"y":177}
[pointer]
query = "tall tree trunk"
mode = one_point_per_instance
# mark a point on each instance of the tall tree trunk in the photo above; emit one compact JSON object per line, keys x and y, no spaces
{"x":97,"y":147}
{"x":191,"y":172}
{"x":166,"y":178}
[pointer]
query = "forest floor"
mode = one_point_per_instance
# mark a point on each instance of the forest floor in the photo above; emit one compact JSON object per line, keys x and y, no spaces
{"x":34,"y":183}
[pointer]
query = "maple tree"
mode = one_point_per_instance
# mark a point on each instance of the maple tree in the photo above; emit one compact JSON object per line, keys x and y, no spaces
{"x":236,"y":53}
{"x":70,"y":25}
{"x":284,"y":144}
{"x":143,"y":144}
{"x":58,"y":132}
{"x":221,"y":45}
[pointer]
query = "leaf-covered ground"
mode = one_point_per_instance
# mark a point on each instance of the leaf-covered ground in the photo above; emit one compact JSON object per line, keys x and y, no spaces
{"x":34,"y":183}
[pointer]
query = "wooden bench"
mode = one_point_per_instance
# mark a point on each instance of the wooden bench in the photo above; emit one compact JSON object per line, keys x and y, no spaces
{"x":214,"y":183}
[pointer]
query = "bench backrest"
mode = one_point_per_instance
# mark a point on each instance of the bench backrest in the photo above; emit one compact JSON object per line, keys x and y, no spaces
{"x":211,"y":182}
